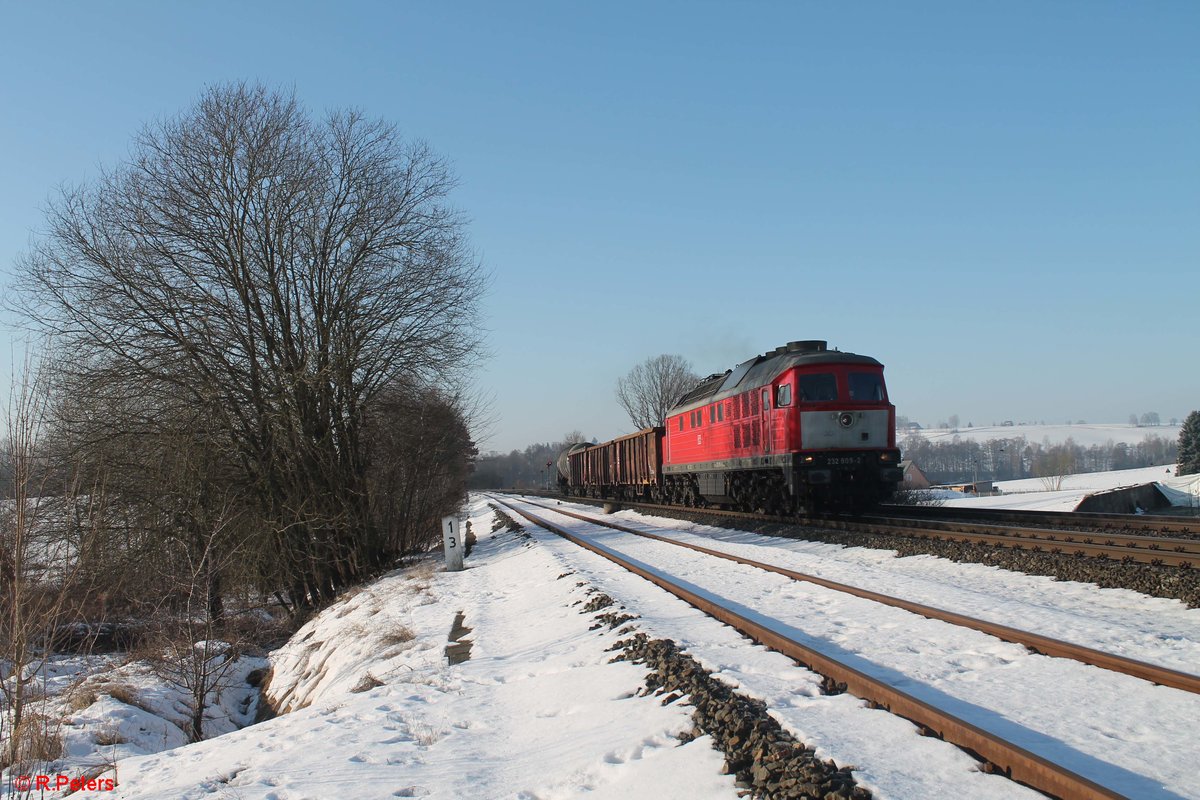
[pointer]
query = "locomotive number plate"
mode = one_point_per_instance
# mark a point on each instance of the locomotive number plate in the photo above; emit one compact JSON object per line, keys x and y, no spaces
{"x":841,"y":461}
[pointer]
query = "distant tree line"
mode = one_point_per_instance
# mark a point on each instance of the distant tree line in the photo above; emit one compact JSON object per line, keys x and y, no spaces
{"x":522,"y":469}
{"x":1013,"y":458}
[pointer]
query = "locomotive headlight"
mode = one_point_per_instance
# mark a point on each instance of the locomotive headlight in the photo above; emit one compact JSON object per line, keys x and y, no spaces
{"x":887,"y":456}
{"x":845,"y":419}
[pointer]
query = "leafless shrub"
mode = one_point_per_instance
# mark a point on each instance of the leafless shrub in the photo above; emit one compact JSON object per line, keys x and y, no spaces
{"x":1052,"y":483}
{"x":44,"y":581}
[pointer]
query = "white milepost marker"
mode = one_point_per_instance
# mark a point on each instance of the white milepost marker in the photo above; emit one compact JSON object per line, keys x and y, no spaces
{"x":452,"y":540}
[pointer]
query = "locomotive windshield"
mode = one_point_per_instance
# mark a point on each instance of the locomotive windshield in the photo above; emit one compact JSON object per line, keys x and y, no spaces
{"x":817,"y":388}
{"x":866,"y":387}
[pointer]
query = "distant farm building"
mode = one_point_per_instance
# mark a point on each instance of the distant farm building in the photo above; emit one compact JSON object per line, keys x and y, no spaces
{"x":914,"y":478}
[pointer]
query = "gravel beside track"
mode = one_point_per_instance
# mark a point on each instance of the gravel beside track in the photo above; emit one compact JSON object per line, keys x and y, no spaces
{"x":1169,"y":582}
{"x":767,"y":760}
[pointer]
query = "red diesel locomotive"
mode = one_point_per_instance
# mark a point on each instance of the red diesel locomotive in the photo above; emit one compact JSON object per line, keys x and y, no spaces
{"x":793,"y":430}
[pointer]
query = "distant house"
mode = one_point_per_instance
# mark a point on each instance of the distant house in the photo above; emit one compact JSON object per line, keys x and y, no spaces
{"x":914,"y":478}
{"x":979,"y":488}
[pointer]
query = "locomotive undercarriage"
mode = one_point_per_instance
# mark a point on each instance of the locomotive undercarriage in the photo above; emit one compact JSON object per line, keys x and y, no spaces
{"x":764,"y":491}
{"x":784,"y":490}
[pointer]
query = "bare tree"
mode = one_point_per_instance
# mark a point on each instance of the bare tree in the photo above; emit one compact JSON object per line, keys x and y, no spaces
{"x":653,"y":387}
{"x":45,"y":581}
{"x":574,"y":437}
{"x":268,"y":274}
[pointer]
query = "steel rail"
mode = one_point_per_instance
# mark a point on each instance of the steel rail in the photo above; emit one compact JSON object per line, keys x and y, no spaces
{"x":1034,"y":641}
{"x":1011,"y":760}
{"x":1130,"y":540}
{"x":1142,"y":549}
{"x":1155,"y":523}
{"x":1151,"y":550}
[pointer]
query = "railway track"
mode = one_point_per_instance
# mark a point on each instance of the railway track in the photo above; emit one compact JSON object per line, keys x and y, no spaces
{"x":1101,"y":542}
{"x":1125,"y":548}
{"x":1011,"y":759}
{"x":1085,"y":520}
{"x":1036,"y":642}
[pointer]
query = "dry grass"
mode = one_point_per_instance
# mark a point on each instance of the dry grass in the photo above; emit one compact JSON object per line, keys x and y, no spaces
{"x":37,"y":740}
{"x":109,"y":736}
{"x":398,"y":635}
{"x":126,"y":694}
{"x":367,"y":683}
{"x":422,"y":575}
{"x":79,"y":700}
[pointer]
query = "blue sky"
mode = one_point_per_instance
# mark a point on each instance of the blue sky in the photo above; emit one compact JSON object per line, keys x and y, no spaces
{"x":1000,"y":201}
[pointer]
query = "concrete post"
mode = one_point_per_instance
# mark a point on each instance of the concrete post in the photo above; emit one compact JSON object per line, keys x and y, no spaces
{"x":452,"y":542}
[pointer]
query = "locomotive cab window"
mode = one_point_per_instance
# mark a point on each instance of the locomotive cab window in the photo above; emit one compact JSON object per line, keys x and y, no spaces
{"x":818,"y":388}
{"x":866,"y":387}
{"x":783,"y":395}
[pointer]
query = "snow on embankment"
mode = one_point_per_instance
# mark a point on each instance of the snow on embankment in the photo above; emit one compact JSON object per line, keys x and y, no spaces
{"x":377,"y":711}
{"x":354,"y":645}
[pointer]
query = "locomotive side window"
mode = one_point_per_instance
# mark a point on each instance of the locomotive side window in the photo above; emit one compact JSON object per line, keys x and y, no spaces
{"x":712,"y":414}
{"x":818,"y":388}
{"x":783,"y":395}
{"x":681,"y":423}
{"x":720,"y":412}
{"x":866,"y":387}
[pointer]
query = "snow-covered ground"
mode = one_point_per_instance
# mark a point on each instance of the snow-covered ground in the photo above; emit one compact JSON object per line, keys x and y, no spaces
{"x":1083,"y":434}
{"x":112,"y":708}
{"x":1035,"y":494}
{"x":539,"y":712}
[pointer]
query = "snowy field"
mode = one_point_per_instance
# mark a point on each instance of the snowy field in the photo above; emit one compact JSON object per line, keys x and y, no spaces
{"x":1083,"y":434}
{"x":539,"y":712}
{"x":1033,"y":494}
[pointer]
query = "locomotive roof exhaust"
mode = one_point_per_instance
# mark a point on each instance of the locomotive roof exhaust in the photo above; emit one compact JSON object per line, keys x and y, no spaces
{"x":806,"y":346}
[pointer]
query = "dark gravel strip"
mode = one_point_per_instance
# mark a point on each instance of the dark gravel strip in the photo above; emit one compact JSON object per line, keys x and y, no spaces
{"x":1170,"y":582}
{"x":767,"y":761}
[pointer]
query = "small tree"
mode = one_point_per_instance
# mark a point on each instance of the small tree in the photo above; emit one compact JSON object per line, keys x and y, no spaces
{"x":653,"y":387}
{"x":192,"y":649}
{"x":1189,"y":445}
